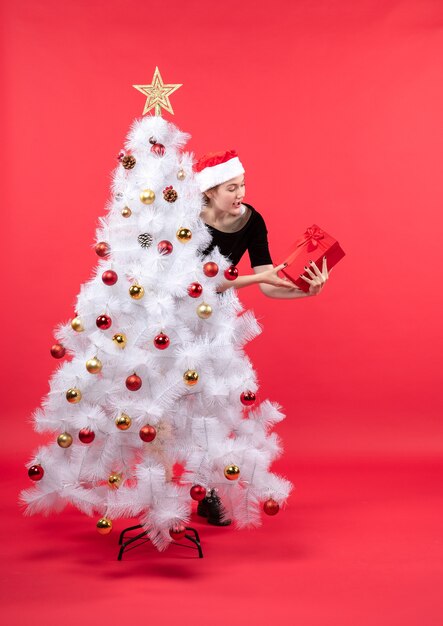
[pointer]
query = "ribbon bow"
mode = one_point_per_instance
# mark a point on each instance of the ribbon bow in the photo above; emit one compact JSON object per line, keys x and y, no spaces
{"x":311,"y":236}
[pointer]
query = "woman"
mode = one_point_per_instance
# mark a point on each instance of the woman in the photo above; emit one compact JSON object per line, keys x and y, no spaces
{"x":236,"y":227}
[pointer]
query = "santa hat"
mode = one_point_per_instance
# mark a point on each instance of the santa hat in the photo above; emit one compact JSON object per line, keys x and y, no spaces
{"x":215,"y":168}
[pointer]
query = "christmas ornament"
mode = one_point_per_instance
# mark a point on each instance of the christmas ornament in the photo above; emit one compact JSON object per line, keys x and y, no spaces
{"x":165,"y":247}
{"x":126,"y":212}
{"x":94,"y":365}
{"x":157,"y":94}
{"x":86,"y":435}
{"x":271,"y":507}
{"x":109,"y":277}
{"x":58,"y":351}
{"x":177,"y":532}
{"x":128,"y":162}
{"x":210,"y":269}
{"x":136,"y":292}
{"x":169,"y":194}
{"x":232,"y":472}
{"x":73,"y":395}
{"x":190,"y":377}
{"x":147,"y":196}
{"x":102,"y":249}
{"x":181,"y":174}
{"x":104,"y":526}
{"x":204,"y":310}
{"x":77,"y":325}
{"x":157,"y":148}
{"x":64,"y":440}
{"x":231,"y":273}
{"x":161,"y":341}
{"x":36,"y":472}
{"x":114,"y":480}
{"x":133,"y":382}
{"x":198,"y":493}
{"x":145,"y":240}
{"x":195,"y":290}
{"x":103,"y":322}
{"x":184,"y":235}
{"x":148,"y":433}
{"x":123,"y":421}
{"x":247,"y":398}
{"x":120,"y":155}
{"x":120,"y":340}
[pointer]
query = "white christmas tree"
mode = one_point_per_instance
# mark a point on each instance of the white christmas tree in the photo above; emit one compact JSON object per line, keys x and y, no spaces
{"x":157,"y":374}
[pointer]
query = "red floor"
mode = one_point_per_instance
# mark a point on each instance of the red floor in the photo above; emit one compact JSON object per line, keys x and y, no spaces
{"x":359,"y":545}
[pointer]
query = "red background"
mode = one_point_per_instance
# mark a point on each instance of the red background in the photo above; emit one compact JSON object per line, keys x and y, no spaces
{"x":335,"y":109}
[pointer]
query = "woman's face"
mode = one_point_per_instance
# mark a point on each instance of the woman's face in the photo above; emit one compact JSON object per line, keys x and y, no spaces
{"x":228,"y":196}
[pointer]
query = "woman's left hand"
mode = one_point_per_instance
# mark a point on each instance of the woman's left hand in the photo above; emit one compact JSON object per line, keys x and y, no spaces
{"x":317,"y":279}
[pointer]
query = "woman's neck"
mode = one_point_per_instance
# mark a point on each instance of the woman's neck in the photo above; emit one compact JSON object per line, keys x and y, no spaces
{"x":222,"y":220}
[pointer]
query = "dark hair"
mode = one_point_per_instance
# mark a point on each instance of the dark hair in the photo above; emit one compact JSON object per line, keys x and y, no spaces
{"x":205,"y":199}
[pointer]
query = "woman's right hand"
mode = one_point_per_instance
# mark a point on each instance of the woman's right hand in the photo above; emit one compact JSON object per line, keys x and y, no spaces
{"x":270,"y":277}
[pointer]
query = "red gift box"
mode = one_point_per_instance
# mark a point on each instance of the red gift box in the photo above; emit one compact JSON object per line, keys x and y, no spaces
{"x":313,"y":245}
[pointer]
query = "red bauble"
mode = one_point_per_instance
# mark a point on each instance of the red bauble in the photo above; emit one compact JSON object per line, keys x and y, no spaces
{"x":178,"y":532}
{"x":161,"y":341}
{"x":102,"y":249}
{"x":133,"y":382}
{"x":109,"y":277}
{"x":210,"y":269}
{"x":158,"y":149}
{"x":58,"y":351}
{"x":103,"y":322}
{"x":198,"y":493}
{"x":271,"y":507}
{"x":165,"y":247}
{"x":147,"y":433}
{"x":86,"y":436}
{"x":36,"y":472}
{"x":195,"y":290}
{"x":231,"y":273}
{"x":247,"y":398}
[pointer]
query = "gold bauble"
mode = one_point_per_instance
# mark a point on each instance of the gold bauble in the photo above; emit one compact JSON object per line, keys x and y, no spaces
{"x":136,"y":291}
{"x":104,"y":526}
{"x":73,"y":395}
{"x":184,"y":235}
{"x":77,"y":325}
{"x":114,"y":480}
{"x":126,"y":212}
{"x":232,"y":472}
{"x":204,"y":310}
{"x":94,"y":365}
{"x":120,"y":340}
{"x":64,"y":440}
{"x":181,"y":174}
{"x":190,"y":377}
{"x":123,"y":422}
{"x":147,"y":196}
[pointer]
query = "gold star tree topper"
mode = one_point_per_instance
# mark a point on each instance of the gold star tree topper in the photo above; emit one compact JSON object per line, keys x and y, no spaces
{"x":157,"y":94}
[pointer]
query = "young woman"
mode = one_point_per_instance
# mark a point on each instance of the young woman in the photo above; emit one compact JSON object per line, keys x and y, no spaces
{"x":236,"y":227}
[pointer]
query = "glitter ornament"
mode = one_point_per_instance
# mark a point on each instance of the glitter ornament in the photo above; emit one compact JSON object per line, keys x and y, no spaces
{"x":109,"y":277}
{"x":64,"y":440}
{"x":204,"y":311}
{"x":77,"y":325}
{"x":195,"y":290}
{"x":86,"y":435}
{"x":123,"y":422}
{"x":104,"y":526}
{"x":148,"y":433}
{"x":94,"y":365}
{"x":165,"y":247}
{"x":102,"y":249}
{"x":190,"y":377}
{"x":103,"y":322}
{"x":231,"y":273}
{"x":184,"y":235}
{"x":120,"y":340}
{"x":177,"y":532}
{"x":73,"y":395}
{"x":161,"y":341}
{"x":147,"y":196}
{"x":133,"y":382}
{"x":128,"y":162}
{"x":36,"y":472}
{"x":210,"y":269}
{"x":136,"y":292}
{"x":58,"y":351}
{"x":198,"y":493}
{"x":232,"y":472}
{"x":247,"y":398}
{"x":271,"y":507}
{"x":126,"y":212}
{"x":145,"y":240}
{"x":158,"y":149}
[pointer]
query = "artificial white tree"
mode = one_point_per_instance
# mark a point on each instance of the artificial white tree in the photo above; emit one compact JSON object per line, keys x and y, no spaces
{"x":156,"y":373}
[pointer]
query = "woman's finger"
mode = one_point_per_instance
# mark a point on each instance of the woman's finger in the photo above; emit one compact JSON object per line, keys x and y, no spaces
{"x":324,"y":268}
{"x":280,"y":267}
{"x":315,"y":269}
{"x":309,"y":272}
{"x":308,"y":280}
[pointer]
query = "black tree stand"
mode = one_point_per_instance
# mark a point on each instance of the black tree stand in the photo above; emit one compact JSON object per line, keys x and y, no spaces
{"x":137,"y":540}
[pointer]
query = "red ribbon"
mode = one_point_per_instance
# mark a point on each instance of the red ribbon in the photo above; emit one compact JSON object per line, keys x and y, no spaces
{"x":311,"y":237}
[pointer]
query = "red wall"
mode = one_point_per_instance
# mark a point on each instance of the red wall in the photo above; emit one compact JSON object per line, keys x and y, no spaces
{"x":335,"y":109}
